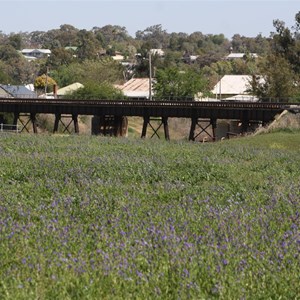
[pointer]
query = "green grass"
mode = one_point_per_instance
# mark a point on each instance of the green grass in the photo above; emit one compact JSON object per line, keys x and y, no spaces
{"x":103,"y":218}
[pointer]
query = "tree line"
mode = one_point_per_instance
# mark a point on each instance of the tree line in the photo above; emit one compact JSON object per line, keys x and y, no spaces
{"x":86,"y":56}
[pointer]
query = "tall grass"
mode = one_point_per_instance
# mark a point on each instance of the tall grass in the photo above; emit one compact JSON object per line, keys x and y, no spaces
{"x":103,"y":218}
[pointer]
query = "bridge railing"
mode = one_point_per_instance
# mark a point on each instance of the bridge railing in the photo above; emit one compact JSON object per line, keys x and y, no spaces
{"x":147,"y":103}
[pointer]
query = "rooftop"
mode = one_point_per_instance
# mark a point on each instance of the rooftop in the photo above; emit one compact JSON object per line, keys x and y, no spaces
{"x":135,"y":87}
{"x":240,"y":55}
{"x":18,"y":91}
{"x":232,"y":85}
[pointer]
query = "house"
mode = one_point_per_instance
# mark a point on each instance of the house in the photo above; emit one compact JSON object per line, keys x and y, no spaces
{"x":69,"y":89}
{"x":72,"y":50}
{"x":233,"y":56}
{"x":16,"y":91}
{"x":32,"y":54}
{"x":101,"y":52}
{"x":188,"y":58}
{"x":158,"y":52}
{"x":240,"y":98}
{"x":118,"y":56}
{"x":4,"y":93}
{"x":64,"y":91}
{"x":233,"y":87}
{"x":136,"y":88}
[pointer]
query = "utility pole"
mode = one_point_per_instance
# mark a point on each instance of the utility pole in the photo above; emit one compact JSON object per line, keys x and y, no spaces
{"x":150,"y":76}
{"x":46,"y":83}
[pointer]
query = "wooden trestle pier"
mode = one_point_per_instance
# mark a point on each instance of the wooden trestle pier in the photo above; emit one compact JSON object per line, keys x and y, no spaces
{"x":245,"y":112}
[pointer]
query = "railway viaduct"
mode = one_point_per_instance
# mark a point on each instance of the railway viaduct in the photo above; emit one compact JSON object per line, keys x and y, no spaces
{"x":197,"y":111}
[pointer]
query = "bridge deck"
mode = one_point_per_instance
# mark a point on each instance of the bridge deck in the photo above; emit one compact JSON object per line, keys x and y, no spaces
{"x":192,"y":109}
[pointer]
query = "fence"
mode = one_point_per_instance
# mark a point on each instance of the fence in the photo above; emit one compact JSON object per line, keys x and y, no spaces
{"x":9,"y":128}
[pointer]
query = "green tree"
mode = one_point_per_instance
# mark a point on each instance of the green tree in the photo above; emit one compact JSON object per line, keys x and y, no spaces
{"x":37,"y":39}
{"x":60,"y":57}
{"x":8,"y":53}
{"x":277,"y":81}
{"x":173,"y":84}
{"x":16,"y":67}
{"x":217,"y":70}
{"x":155,"y":36}
{"x":111,"y":33}
{"x":280,"y":69}
{"x":4,"y":77}
{"x":93,"y":91}
{"x":67,"y":35}
{"x":88,"y":45}
{"x":15,"y":40}
{"x":88,"y":71}
{"x":287,"y":43}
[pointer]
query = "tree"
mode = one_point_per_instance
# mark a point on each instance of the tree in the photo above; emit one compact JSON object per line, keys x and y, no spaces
{"x":280,"y":69}
{"x":277,"y":80}
{"x":44,"y":82}
{"x":217,"y":70}
{"x":8,"y":53}
{"x":155,"y":35}
{"x":102,"y":91}
{"x":286,"y":43}
{"x":16,"y":67}
{"x":98,"y":71}
{"x":172,"y":59}
{"x":88,"y":45}
{"x":67,"y":35}
{"x":111,"y":33}
{"x":173,"y":84}
{"x":59,"y":57}
{"x":15,"y":40}
{"x":37,"y":39}
{"x":4,"y":77}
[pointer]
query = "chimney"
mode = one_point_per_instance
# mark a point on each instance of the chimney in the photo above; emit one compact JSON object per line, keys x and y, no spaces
{"x":55,"y":91}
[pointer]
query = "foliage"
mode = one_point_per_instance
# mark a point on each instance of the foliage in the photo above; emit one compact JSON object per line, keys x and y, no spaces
{"x":16,"y":69}
{"x":100,"y":218}
{"x":286,"y":44}
{"x":110,"y":34}
{"x":4,"y":77}
{"x":44,"y":81}
{"x":280,"y":69}
{"x":15,"y":40}
{"x":275,"y":84}
{"x":142,"y":66}
{"x":8,"y":53}
{"x":171,"y":83}
{"x":60,"y":57}
{"x":101,"y":91}
{"x":89,"y":71}
{"x":88,"y":45}
{"x":155,"y":36}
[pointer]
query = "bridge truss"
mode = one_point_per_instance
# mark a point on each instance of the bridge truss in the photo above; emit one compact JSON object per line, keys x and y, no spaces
{"x":200,"y":112}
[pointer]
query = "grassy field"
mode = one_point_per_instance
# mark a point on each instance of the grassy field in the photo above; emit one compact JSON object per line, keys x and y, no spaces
{"x":86,"y":217}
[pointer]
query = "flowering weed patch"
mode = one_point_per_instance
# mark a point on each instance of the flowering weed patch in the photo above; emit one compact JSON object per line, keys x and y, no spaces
{"x":99,"y":218}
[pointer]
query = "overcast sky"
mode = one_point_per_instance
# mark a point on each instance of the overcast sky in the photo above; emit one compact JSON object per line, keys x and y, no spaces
{"x":247,"y":18}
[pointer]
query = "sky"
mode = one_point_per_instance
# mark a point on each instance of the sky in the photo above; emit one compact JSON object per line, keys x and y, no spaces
{"x":247,"y":18}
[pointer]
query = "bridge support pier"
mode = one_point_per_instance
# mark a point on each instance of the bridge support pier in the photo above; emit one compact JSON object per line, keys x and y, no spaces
{"x":204,"y":125}
{"x":163,"y":122}
{"x":31,"y":118}
{"x":245,"y":122}
{"x":74,"y":120}
{"x":110,"y":125}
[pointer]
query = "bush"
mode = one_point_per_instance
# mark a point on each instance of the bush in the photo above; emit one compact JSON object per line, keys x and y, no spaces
{"x":102,"y":91}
